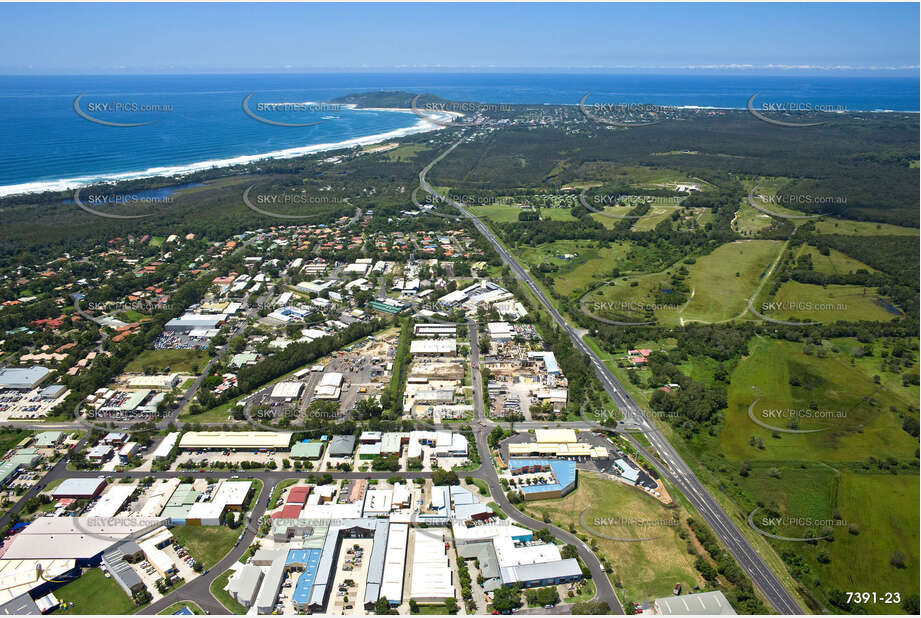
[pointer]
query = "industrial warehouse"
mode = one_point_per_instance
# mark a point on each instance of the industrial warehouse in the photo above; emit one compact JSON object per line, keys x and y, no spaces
{"x":322,"y":538}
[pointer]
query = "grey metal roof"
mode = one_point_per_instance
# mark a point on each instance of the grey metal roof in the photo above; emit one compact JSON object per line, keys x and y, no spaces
{"x":22,"y":377}
{"x":342,"y":445}
{"x":121,"y":571}
{"x":245,"y":583}
{"x":376,"y":561}
{"x":485,"y":552}
{"x":324,"y":577}
{"x":20,"y":606}
{"x":712,"y":603}
{"x":268,"y":595}
{"x":77,"y":487}
{"x":541,"y":570}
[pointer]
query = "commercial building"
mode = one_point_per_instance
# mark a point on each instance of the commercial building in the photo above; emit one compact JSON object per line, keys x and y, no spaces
{"x":550,"y":364}
{"x":229,"y":496}
{"x":244,"y":584}
{"x":163,"y":382}
{"x":232,"y":440}
{"x":307,"y":450}
{"x":500,"y":331}
{"x":330,"y":386}
{"x":75,"y":538}
{"x":112,"y":501}
{"x":559,"y":443}
{"x":713,"y":603}
{"x":431,"y":580}
{"x":271,"y":585}
{"x":30,"y":578}
{"x":439,"y":331}
{"x":23,"y":379}
{"x":562,"y":473}
{"x":48,"y":439}
{"x":342,"y":446}
{"x":542,"y":573}
{"x":387,"y":305}
{"x":286,"y":391}
{"x":166,"y":445}
{"x":433,"y":347}
{"x":192,"y":321}
{"x":116,"y":561}
{"x":78,"y":488}
{"x":179,"y":503}
{"x":20,"y":460}
{"x":395,"y":564}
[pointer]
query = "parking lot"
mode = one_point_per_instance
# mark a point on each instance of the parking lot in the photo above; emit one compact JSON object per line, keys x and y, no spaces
{"x":16,"y":404}
{"x":351,"y":575}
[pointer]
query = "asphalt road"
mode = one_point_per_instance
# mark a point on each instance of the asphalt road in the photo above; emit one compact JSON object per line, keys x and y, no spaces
{"x":199,"y":589}
{"x":487,"y":472}
{"x":678,"y":472}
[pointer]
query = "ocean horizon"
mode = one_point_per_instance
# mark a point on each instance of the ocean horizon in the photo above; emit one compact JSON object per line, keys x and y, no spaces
{"x":194,"y":122}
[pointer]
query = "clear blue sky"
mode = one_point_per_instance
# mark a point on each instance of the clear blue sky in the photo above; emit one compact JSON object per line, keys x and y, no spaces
{"x":182,"y":38}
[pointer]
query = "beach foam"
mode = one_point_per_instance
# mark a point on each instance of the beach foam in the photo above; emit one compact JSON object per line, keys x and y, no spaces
{"x":65,"y":184}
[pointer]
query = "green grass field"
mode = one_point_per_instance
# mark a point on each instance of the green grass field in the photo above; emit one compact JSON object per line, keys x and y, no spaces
{"x":178,"y":361}
{"x":10,"y":437}
{"x":406,"y":153}
{"x":724,"y":280}
{"x":749,"y":221}
{"x":646,"y":569}
{"x":636,"y":176}
{"x":830,"y":225}
{"x":714,"y":292}
{"x":207,"y":544}
{"x":835,"y":263}
{"x":94,"y":593}
{"x":626,"y":299}
{"x":870,"y":516}
{"x":801,"y":302}
{"x":662,"y":208}
{"x":851,"y":410}
{"x":131,"y":316}
{"x":509,"y":214}
{"x":591,"y":264}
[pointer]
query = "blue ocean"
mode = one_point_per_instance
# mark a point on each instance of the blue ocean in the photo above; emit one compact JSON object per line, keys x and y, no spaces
{"x":187,"y":122}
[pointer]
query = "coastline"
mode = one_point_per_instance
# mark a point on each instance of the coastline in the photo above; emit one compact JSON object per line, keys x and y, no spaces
{"x":66,"y":184}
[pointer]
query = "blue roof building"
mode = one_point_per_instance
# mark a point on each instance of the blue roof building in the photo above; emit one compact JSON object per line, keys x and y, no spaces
{"x":563,"y":471}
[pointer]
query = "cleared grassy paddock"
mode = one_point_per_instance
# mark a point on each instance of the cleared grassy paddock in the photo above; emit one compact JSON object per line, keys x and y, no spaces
{"x":647,"y":569}
{"x":724,"y":280}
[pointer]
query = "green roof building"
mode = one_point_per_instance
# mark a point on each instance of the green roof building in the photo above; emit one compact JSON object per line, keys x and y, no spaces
{"x":307,"y":450}
{"x":48,"y":439}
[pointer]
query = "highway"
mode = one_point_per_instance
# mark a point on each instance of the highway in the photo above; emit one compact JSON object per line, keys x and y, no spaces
{"x":675,"y":469}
